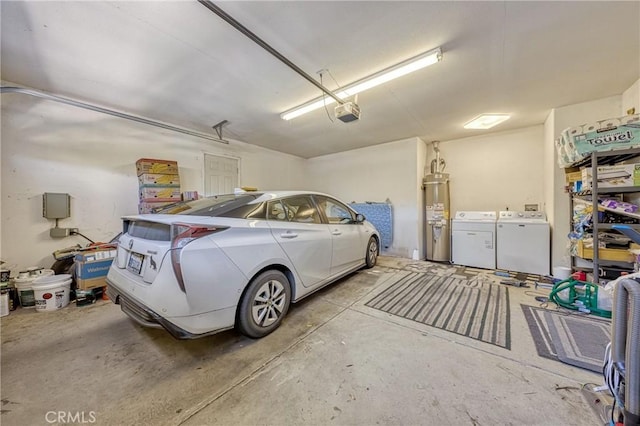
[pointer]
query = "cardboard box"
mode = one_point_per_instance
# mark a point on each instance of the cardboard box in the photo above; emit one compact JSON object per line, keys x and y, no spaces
{"x":145,"y":208}
{"x":89,"y":284}
{"x":572,"y":177}
{"x":150,"y":194}
{"x":620,"y":255}
{"x":615,"y":176}
{"x":92,"y":268}
{"x":94,"y":255}
{"x":150,"y":179}
{"x":150,"y":165}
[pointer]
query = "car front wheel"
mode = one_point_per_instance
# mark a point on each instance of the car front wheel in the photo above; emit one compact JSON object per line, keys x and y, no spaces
{"x":264,"y":304}
{"x":372,"y":252}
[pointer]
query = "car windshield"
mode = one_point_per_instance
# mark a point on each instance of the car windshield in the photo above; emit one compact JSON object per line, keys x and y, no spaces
{"x":229,"y":205}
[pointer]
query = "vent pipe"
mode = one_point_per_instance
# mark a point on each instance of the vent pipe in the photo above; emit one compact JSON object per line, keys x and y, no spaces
{"x":438,"y":165}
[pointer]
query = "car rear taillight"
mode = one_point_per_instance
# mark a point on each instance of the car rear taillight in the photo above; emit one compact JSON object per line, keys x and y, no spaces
{"x":181,"y":235}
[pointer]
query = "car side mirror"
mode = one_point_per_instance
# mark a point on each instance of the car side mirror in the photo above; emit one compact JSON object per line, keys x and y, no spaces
{"x":360,"y":218}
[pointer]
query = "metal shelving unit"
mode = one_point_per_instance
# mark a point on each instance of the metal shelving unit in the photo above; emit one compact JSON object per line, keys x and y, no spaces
{"x":600,"y":159}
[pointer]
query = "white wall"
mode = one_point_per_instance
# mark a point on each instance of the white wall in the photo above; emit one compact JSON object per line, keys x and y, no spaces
{"x":559,"y":120}
{"x":377,"y":173}
{"x":421,"y":156}
{"x":51,"y":147}
{"x":631,"y":98}
{"x":496,"y":171}
{"x":488,"y":172}
{"x":551,"y":174}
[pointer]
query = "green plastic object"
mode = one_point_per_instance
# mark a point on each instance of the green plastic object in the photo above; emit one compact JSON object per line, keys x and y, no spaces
{"x":578,"y":295}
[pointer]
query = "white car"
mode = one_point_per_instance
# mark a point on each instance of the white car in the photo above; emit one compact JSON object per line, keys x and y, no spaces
{"x":237,"y":260}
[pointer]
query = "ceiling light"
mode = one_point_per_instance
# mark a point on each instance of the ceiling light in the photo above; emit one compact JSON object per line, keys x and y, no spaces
{"x":403,"y":68}
{"x":486,"y":121}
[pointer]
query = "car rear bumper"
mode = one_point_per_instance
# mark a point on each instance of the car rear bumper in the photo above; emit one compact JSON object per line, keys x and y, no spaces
{"x":147,"y":317}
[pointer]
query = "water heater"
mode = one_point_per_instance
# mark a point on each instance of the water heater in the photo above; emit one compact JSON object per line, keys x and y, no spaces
{"x":438,"y":232}
{"x":436,"y":197}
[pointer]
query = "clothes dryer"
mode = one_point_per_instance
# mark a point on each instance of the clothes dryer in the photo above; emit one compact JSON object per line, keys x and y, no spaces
{"x":473,"y":239}
{"x":523,"y":242}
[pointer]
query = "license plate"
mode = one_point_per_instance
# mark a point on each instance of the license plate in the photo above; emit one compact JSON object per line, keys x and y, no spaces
{"x":135,"y":263}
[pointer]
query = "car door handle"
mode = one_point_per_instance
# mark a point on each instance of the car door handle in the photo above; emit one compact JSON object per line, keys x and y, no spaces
{"x":336,"y":232}
{"x":288,"y":235}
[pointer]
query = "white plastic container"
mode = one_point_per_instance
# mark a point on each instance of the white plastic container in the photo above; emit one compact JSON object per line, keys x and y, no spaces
{"x":25,"y":291}
{"x":41,"y":273}
{"x":561,"y":272}
{"x":24,"y":285}
{"x":4,"y":302}
{"x":52,"y":292}
{"x":605,"y":299}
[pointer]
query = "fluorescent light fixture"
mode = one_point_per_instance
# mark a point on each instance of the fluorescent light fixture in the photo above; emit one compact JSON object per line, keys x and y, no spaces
{"x":486,"y":121}
{"x":403,"y":68}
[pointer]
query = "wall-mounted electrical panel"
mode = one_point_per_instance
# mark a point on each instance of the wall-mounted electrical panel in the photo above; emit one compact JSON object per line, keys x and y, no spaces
{"x":56,"y":205}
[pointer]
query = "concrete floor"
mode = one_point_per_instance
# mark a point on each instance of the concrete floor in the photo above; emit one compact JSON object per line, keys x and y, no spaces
{"x":333,"y":361}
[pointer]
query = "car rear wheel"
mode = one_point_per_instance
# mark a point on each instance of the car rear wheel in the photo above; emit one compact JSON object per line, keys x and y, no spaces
{"x":264,"y":304}
{"x":372,"y":252}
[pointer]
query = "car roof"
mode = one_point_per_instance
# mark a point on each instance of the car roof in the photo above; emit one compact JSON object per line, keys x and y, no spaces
{"x":270,"y":195}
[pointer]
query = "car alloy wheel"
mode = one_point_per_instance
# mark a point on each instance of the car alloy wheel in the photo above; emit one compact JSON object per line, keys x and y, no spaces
{"x":372,"y":252}
{"x":269,"y":303}
{"x":264,"y":303}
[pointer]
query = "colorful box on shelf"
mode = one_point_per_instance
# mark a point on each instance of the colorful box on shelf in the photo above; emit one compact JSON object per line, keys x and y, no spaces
{"x":572,"y":177}
{"x":618,"y":175}
{"x":159,"y":194}
{"x":150,"y":179}
{"x":150,"y":165}
{"x":619,"y":255}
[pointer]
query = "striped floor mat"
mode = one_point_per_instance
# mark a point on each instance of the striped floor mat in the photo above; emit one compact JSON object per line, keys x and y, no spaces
{"x":472,"y":308}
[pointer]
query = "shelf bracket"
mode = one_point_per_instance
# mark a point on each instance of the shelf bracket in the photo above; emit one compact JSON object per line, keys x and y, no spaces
{"x":218,"y":128}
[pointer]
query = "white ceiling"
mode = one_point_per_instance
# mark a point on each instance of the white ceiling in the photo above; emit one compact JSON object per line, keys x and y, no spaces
{"x":179,"y":63}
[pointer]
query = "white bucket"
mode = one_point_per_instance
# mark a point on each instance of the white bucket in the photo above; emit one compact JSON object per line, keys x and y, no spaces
{"x":4,"y":303}
{"x":25,"y":291}
{"x":52,"y":292}
{"x":41,"y":273}
{"x":561,"y":272}
{"x":24,"y":285}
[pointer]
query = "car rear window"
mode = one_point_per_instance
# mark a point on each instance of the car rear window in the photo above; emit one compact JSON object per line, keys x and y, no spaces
{"x":149,"y":230}
{"x":228,"y":205}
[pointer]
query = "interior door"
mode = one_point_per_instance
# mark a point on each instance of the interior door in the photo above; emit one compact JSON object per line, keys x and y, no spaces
{"x":220,"y":175}
{"x":296,"y":225}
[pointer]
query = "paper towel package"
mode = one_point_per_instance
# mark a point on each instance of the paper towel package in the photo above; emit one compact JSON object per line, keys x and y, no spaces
{"x":617,"y":137}
{"x":576,"y":143}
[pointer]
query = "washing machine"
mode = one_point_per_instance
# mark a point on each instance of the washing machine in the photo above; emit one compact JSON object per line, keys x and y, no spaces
{"x":473,"y":239}
{"x":523,"y":242}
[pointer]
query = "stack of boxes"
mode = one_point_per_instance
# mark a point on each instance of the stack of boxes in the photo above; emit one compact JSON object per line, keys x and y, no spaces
{"x":159,"y":183}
